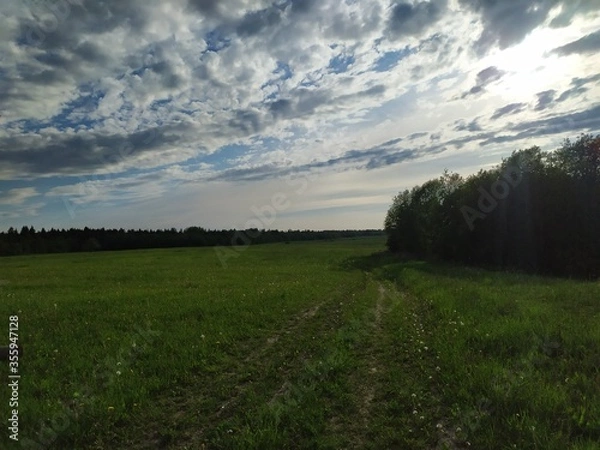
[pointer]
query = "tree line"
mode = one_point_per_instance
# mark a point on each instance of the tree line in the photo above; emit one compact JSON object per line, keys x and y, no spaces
{"x":535,"y":211}
{"x":28,"y":240}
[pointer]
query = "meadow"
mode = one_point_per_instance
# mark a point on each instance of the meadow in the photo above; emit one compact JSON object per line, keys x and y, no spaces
{"x":325,"y":345}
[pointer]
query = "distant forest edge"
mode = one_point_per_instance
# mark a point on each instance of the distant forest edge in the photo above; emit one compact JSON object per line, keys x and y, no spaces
{"x":28,"y":240}
{"x":536,"y":211}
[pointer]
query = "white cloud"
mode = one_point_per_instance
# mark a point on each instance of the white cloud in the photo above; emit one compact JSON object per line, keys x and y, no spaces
{"x":133,"y":89}
{"x":17,"y":196}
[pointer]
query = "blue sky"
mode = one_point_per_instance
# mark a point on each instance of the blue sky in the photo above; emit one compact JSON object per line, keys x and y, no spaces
{"x":154,"y":114}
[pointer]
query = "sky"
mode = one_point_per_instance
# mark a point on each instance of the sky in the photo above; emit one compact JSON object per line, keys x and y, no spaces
{"x":301,"y":114}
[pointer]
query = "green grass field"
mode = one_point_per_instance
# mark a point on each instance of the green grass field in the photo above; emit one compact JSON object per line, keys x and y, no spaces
{"x":305,"y":345}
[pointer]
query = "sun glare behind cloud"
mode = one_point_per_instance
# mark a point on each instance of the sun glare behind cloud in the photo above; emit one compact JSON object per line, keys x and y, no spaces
{"x":530,"y":67}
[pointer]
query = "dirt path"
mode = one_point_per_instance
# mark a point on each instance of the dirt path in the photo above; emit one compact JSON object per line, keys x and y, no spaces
{"x":278,"y":370}
{"x":372,"y":361}
{"x":293,"y":325}
{"x":275,"y":345}
{"x":366,"y":382}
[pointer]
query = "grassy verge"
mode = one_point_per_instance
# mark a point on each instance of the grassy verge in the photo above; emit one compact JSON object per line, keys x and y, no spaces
{"x":497,"y":360}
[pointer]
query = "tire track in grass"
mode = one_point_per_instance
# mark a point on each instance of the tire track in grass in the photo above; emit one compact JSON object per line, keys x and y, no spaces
{"x":319,"y":386}
{"x":278,"y":350}
{"x":294,"y":323}
{"x":429,"y":425}
{"x":393,"y":397}
{"x":366,"y":380}
{"x":292,"y":327}
{"x":195,"y":415}
{"x":187,"y":402}
{"x":372,"y":360}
